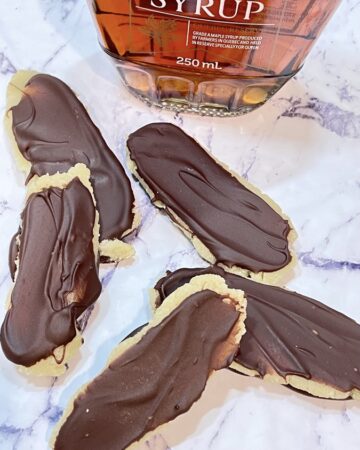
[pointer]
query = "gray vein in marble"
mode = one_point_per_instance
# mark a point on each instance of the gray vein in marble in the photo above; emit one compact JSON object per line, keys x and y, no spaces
{"x":209,"y":138}
{"x":157,"y":442}
{"x":345,"y":416}
{"x":179,"y":120}
{"x":245,"y":172}
{"x":148,"y":213}
{"x":355,"y":6}
{"x":308,"y":259}
{"x":318,"y":433}
{"x":54,"y":55}
{"x":344,"y":93}
{"x":51,"y":413}
{"x":318,"y":438}
{"x":6,"y":66}
{"x":219,"y":428}
{"x":4,"y":206}
{"x":4,"y":279}
{"x":105,"y":280}
{"x":63,"y":7}
{"x":327,"y":115}
{"x":333,"y":230}
{"x":84,"y":319}
{"x":175,"y":260}
{"x":145,"y":246}
{"x":63,"y":46}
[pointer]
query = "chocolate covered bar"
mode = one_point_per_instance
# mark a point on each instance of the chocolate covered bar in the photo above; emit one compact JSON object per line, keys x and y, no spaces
{"x":52,"y":132}
{"x":230,"y":222}
{"x":56,"y":273}
{"x":290,"y":339}
{"x":156,"y":375}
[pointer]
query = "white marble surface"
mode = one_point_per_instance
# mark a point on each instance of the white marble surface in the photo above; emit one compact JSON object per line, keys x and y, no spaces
{"x":303,"y":149}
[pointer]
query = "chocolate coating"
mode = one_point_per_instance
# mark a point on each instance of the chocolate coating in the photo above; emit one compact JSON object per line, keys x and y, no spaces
{"x":287,"y":333}
{"x":13,"y":254}
{"x":236,"y":225}
{"x":54,"y":132}
{"x":57,"y":277}
{"x":155,"y":380}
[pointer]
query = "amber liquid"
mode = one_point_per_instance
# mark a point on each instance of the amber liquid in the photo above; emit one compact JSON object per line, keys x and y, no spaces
{"x":217,"y":65}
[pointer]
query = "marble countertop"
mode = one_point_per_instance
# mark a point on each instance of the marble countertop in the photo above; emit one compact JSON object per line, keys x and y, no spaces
{"x":302,"y":149}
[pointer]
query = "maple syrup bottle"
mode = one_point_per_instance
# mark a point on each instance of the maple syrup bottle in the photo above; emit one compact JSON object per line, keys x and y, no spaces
{"x":214,"y":57}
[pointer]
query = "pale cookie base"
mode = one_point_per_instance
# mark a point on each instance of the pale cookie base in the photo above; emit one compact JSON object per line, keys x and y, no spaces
{"x":312,"y":387}
{"x":49,"y":366}
{"x":197,"y":284}
{"x":278,"y":277}
{"x":117,"y":251}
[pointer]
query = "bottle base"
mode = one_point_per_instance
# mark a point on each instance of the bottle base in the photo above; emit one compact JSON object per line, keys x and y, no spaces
{"x":210,"y":110}
{"x":201,"y":94}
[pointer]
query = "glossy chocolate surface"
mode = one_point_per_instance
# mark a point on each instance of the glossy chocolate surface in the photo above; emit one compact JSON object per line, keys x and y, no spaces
{"x":57,"y":278}
{"x":54,"y":132}
{"x":13,"y":255}
{"x":288,"y":333}
{"x":155,"y":380}
{"x":236,"y":225}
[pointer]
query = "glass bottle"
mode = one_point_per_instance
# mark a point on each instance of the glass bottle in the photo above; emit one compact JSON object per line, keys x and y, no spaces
{"x":214,"y":57}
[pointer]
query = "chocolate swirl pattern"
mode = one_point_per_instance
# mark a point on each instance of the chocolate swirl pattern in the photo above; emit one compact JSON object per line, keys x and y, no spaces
{"x":53,"y":131}
{"x":237,"y":226}
{"x":57,"y":275}
{"x":289,"y":338}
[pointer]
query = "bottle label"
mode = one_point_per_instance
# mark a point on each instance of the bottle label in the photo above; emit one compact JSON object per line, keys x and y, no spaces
{"x":253,"y":37}
{"x":281,"y":15}
{"x":239,"y":9}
